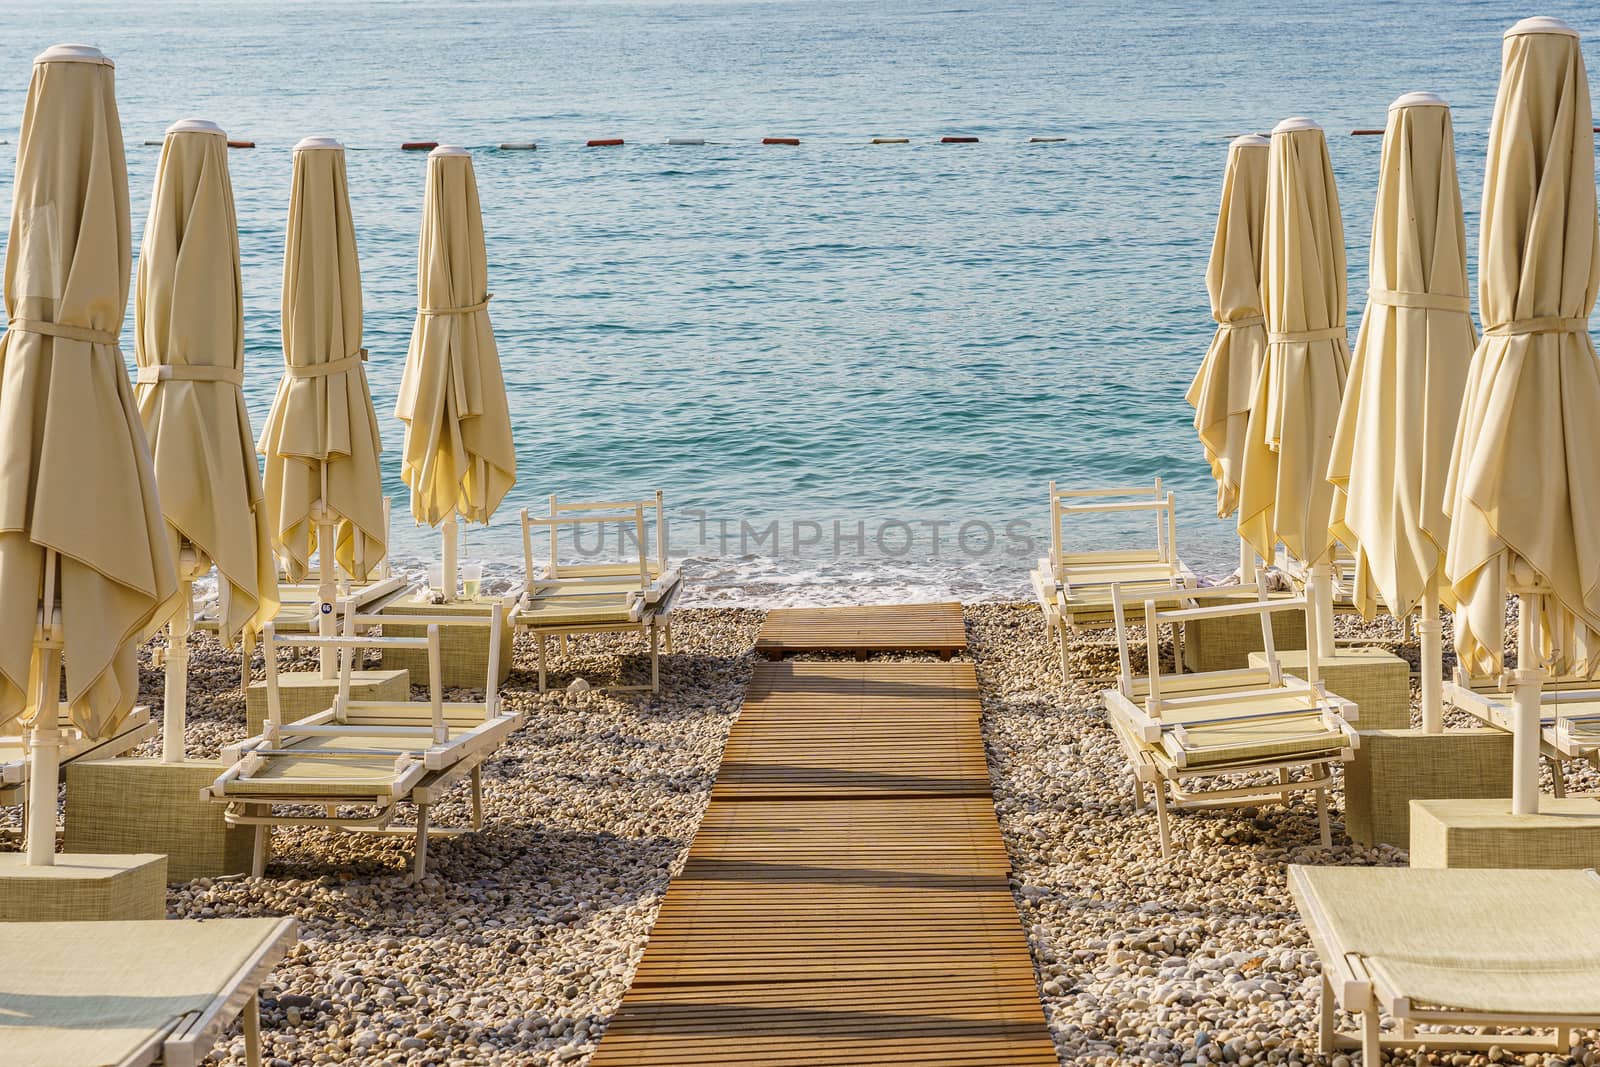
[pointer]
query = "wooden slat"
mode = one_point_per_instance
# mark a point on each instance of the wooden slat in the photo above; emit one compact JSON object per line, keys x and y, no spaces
{"x":846,"y":899}
{"x":864,"y":630}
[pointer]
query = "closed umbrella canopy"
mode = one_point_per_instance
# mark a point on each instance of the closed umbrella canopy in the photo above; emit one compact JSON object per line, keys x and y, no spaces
{"x":75,"y":472}
{"x":459,"y":458}
{"x":1224,"y":386}
{"x":321,"y":437}
{"x":1285,"y":495}
{"x":1524,"y":486}
{"x":189,"y":344}
{"x":1391,"y":454}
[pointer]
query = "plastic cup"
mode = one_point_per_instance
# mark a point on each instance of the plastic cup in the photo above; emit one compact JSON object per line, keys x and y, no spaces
{"x":436,"y":578}
{"x":471,"y":579}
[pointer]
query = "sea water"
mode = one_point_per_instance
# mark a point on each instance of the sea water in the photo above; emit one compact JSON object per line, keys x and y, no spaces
{"x":852,"y":368}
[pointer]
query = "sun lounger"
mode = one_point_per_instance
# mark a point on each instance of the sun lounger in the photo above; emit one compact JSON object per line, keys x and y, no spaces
{"x":359,"y":760}
{"x":1509,"y":949}
{"x":1569,"y":718}
{"x":1190,"y":734}
{"x":634,"y":593}
{"x":83,"y":994}
{"x":136,"y":728}
{"x":1073,"y":585}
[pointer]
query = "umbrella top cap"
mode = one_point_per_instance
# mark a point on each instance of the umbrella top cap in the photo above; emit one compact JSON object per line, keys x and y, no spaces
{"x":1249,"y":140}
{"x":1541,"y":24}
{"x":1418,"y":100}
{"x":73,"y":53}
{"x":1295,"y":124}
{"x":309,"y":144}
{"x":448,"y":150}
{"x":195,"y":126}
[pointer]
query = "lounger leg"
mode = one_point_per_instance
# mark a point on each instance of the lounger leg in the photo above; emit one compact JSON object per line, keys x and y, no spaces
{"x":1324,"y":825}
{"x":562,"y":645}
{"x":250,"y":1022}
{"x":1326,"y":1033}
{"x":1061,"y":641}
{"x":541,"y":640}
{"x":477,"y":798}
{"x":1371,"y":1039}
{"x":655,"y":661}
{"x":667,"y":631}
{"x":420,"y":864}
{"x":1162,"y":818}
{"x":1138,"y":793}
{"x":262,"y":846}
{"x":1558,"y":780}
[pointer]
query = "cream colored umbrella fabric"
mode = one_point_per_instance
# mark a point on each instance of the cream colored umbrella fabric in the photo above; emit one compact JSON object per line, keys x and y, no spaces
{"x":459,"y":458}
{"x":76,"y":480}
{"x":1391,"y":453}
{"x":1285,"y":494}
{"x":1524,"y":486}
{"x":1224,"y":386}
{"x":321,"y":438}
{"x":189,"y":345}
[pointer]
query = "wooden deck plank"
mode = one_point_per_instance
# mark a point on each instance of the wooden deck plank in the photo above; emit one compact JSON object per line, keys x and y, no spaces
{"x":867,"y":629}
{"x":846,"y":900}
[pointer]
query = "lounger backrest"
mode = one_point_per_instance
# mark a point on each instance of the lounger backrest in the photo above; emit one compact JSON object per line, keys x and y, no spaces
{"x":346,"y":646}
{"x":1068,"y":504}
{"x":1263,"y":608}
{"x":495,"y":621}
{"x":1122,"y":597}
{"x":649,"y":550}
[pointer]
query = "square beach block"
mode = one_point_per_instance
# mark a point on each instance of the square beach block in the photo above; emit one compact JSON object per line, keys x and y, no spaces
{"x":305,"y":693}
{"x":1393,"y":768}
{"x":83,"y":887}
{"x":1378,"y":682}
{"x":1483,"y":833}
{"x":464,"y":650}
{"x":1225,"y":644}
{"x":144,"y":805}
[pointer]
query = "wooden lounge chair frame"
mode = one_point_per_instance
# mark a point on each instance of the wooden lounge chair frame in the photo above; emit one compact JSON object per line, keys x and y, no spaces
{"x":419,"y":776}
{"x":1073,"y":588}
{"x":1562,"y":737}
{"x":643,"y":589}
{"x":1157,"y":749}
{"x":1348,"y":984}
{"x":137,"y":728}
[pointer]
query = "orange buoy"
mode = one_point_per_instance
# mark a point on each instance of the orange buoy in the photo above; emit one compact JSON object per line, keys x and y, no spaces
{"x":780,"y":140}
{"x":958,"y":140}
{"x":419,"y":146}
{"x":604,"y":142}
{"x":241,"y":144}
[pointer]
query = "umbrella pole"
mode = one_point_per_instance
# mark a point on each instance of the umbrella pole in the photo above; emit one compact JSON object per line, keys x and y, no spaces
{"x":1430,"y":634}
{"x":1247,"y":563}
{"x":175,"y":705}
{"x":1321,"y":590}
{"x":450,"y":561}
{"x":327,"y":588}
{"x":1526,"y":682}
{"x":44,"y":750}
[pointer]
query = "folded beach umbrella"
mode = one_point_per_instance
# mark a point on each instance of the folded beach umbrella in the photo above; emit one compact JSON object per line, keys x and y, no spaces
{"x":189,"y":345}
{"x":1285,"y":495}
{"x":1523,"y":493}
{"x":85,"y":569}
{"x":459,"y":459}
{"x":321,"y":439}
{"x":1224,"y":386}
{"x":1391,"y":454}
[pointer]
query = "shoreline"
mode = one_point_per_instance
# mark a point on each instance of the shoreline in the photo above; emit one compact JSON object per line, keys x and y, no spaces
{"x":520,"y":943}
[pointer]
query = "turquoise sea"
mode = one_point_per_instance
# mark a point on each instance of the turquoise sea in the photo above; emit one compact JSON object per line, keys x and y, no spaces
{"x":886,"y":351}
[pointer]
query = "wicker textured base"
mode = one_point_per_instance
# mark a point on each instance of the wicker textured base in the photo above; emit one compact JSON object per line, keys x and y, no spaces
{"x":1225,"y":644}
{"x":83,"y":888}
{"x":464,"y":650}
{"x":1394,"y":767}
{"x":1484,"y":833}
{"x":1378,"y":682}
{"x":305,"y":693}
{"x":144,"y":805}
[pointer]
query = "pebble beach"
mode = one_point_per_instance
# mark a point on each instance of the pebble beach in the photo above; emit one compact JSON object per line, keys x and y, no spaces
{"x":521,"y":941}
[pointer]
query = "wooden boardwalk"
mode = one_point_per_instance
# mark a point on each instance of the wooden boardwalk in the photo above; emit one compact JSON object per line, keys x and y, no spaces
{"x":936,"y":628}
{"x":845,"y":900}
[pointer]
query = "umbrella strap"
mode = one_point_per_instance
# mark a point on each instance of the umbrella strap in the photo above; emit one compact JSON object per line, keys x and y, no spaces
{"x":482,"y":305}
{"x":333,"y":366}
{"x":1332,"y":333}
{"x":1547,"y":324}
{"x":62,"y":329}
{"x":175,"y":372}
{"x":1399,"y":298}
{"x":1240,"y":324}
